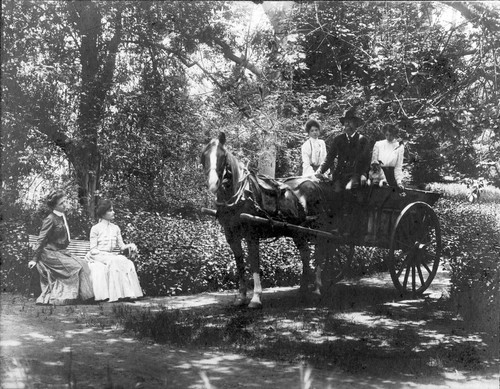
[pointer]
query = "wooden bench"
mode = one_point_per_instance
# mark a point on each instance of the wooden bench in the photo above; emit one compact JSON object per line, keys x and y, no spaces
{"x":78,"y":248}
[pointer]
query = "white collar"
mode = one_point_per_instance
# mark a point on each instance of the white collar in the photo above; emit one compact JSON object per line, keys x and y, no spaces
{"x":58,"y":213}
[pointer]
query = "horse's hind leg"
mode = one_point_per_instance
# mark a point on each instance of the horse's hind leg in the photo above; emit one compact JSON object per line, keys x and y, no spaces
{"x":305,"y":257}
{"x":254,"y":259}
{"x":319,"y":259}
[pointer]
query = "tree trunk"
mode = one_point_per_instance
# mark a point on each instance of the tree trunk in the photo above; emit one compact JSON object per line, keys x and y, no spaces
{"x":277,"y":12}
{"x":96,"y":81}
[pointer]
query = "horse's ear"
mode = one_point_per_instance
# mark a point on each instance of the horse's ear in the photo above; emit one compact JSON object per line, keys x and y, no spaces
{"x":222,"y":138}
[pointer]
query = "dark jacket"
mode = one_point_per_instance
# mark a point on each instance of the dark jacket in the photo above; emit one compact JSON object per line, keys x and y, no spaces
{"x":52,"y":235}
{"x":353,"y":156}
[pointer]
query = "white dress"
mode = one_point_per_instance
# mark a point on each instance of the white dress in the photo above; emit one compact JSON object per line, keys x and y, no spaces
{"x":391,"y":155}
{"x":313,"y":155}
{"x":113,"y":275}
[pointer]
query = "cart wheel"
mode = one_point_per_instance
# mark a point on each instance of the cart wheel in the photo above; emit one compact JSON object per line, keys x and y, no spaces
{"x":415,"y":249}
{"x":337,"y":264}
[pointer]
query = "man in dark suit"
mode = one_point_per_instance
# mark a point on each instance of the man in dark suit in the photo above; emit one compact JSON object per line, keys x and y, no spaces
{"x":348,"y":154}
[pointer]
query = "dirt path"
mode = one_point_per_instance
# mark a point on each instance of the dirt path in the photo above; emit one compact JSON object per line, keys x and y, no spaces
{"x":44,"y":347}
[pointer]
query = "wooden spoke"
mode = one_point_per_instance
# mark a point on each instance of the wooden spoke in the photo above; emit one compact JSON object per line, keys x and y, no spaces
{"x":426,"y":267}
{"x":415,"y":244}
{"x":420,"y":275}
{"x":404,"y":265}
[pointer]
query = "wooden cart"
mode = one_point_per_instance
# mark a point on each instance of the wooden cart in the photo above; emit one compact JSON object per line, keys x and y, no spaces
{"x":402,"y":223}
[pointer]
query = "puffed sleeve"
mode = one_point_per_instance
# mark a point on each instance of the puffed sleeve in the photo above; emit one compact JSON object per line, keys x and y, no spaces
{"x":398,"y":169}
{"x":47,"y":225}
{"x":94,"y":236}
{"x":307,"y":169}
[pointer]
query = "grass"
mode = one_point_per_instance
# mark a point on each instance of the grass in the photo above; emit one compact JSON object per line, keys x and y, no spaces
{"x":488,"y":194}
{"x":315,"y":335}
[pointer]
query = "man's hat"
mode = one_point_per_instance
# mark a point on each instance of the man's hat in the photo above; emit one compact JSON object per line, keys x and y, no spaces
{"x":350,"y":114}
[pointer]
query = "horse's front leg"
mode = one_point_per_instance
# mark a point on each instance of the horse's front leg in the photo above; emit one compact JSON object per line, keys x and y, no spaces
{"x":305,"y":257}
{"x":254,"y":259}
{"x":235,"y":244}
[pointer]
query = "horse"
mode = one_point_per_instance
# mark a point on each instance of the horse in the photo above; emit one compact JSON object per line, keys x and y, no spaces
{"x":239,"y":191}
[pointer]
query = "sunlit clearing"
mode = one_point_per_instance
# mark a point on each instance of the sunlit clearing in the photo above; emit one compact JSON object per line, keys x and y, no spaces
{"x":43,"y":338}
{"x":377,"y":321}
{"x":9,"y":343}
{"x":218,"y":359}
{"x":124,"y":340}
{"x":58,"y":363}
{"x":70,"y":334}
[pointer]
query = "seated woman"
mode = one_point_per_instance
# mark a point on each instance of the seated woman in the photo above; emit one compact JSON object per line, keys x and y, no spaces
{"x":390,"y":152}
{"x":313,"y":150}
{"x":64,"y":279}
{"x":113,"y":275}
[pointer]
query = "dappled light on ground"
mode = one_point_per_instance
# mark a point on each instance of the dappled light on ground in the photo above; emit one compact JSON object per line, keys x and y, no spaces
{"x":362,"y":335}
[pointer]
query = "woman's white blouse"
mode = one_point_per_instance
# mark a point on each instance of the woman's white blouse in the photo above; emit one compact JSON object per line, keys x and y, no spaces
{"x":313,"y":153}
{"x":391,"y":155}
{"x":105,"y":237}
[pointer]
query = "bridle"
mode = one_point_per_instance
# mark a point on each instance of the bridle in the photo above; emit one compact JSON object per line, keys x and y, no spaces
{"x":220,"y":169}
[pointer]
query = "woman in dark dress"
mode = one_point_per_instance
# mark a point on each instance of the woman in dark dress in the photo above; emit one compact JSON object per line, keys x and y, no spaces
{"x":64,"y":279}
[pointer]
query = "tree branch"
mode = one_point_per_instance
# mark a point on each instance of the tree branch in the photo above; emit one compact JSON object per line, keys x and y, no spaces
{"x":472,"y":15}
{"x":229,"y":54}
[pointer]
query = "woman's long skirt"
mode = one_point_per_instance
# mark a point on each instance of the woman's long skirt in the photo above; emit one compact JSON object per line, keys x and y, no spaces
{"x":64,"y":279}
{"x":122,"y":280}
{"x":100,"y":283}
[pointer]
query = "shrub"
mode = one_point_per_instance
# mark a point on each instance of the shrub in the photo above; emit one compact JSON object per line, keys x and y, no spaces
{"x":15,"y":275}
{"x":180,"y":256}
{"x":471,"y":241}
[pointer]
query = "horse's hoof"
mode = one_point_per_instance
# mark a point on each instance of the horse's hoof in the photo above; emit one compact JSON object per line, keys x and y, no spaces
{"x":239,"y":301}
{"x":255,"y":305}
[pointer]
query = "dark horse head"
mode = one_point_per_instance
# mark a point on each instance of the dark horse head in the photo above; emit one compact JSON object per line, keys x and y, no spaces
{"x":222,"y":170}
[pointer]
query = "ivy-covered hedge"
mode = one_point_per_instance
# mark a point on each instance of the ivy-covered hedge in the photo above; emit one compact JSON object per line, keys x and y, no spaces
{"x":14,"y":275}
{"x":179,"y":255}
{"x":471,"y":235}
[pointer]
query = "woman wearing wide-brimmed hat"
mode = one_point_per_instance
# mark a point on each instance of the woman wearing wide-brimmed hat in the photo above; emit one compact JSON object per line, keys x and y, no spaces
{"x":352,"y":152}
{"x":313,"y":150}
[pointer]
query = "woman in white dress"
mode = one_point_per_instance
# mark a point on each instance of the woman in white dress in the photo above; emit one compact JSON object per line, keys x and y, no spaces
{"x":313,"y":150}
{"x":113,"y":275}
{"x":389,"y":152}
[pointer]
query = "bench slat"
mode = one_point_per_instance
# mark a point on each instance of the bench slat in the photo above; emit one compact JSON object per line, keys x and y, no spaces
{"x":77,"y":247}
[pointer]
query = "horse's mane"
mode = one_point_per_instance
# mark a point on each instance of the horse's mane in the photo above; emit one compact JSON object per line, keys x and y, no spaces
{"x":236,"y":167}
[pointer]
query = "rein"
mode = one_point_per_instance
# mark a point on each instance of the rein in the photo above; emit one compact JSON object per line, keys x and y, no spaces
{"x":236,"y":197}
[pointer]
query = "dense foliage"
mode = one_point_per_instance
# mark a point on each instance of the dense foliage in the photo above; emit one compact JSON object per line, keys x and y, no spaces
{"x":471,"y":236}
{"x":124,"y":109}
